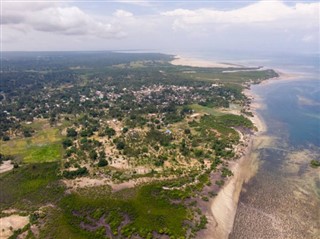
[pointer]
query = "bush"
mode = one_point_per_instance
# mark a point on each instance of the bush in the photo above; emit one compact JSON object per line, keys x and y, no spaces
{"x":226,"y":172}
{"x":75,"y":173}
{"x":27,"y":133}
{"x":5,"y":138}
{"x":102,"y":163}
{"x":110,"y":132}
{"x":120,"y":145}
{"x":93,"y":155}
{"x":315,"y":163}
{"x":66,"y":143}
{"x":71,"y":132}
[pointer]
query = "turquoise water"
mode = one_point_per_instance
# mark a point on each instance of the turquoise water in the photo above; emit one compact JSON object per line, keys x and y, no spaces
{"x":293,"y":108}
{"x":283,"y":199}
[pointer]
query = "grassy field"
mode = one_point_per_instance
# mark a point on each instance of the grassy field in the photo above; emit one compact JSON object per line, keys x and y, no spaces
{"x":30,"y":186}
{"x":43,"y":146}
{"x":208,"y":110}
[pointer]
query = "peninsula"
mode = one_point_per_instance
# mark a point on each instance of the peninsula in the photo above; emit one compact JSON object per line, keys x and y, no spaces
{"x":119,"y":145}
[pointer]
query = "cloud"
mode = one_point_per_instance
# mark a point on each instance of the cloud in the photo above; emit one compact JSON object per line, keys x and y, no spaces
{"x":122,"y":13}
{"x":260,"y":12}
{"x":308,"y":38}
{"x":135,"y":2}
{"x":264,"y":25}
{"x":51,"y":17}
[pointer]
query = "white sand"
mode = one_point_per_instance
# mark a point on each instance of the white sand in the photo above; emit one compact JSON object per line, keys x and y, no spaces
{"x":6,"y":166}
{"x":283,"y":77}
{"x":224,"y":206}
{"x":14,"y":221}
{"x":182,"y":61}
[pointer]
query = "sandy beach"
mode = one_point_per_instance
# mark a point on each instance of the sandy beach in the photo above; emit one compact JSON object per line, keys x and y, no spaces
{"x":182,"y":61}
{"x":283,"y":77}
{"x":224,"y":206}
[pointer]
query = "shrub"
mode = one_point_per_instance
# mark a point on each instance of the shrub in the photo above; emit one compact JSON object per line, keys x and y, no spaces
{"x":71,"y":132}
{"x":66,"y":143}
{"x":120,"y":145}
{"x":315,"y":163}
{"x":73,"y":174}
{"x":102,"y":163}
{"x":5,"y":138}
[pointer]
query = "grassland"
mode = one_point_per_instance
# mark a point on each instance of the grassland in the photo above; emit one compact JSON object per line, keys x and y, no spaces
{"x":206,"y":110}
{"x":30,"y":186}
{"x":43,"y":146}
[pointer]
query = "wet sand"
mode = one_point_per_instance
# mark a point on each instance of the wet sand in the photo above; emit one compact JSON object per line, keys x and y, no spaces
{"x":182,"y":61}
{"x":224,"y":205}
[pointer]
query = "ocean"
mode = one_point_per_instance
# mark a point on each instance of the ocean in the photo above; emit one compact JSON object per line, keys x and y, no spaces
{"x":282,"y":200}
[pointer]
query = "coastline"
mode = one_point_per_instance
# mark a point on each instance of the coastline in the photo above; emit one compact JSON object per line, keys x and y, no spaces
{"x":224,"y":205}
{"x":184,"y":61}
{"x":283,"y":76}
{"x":222,"y":209}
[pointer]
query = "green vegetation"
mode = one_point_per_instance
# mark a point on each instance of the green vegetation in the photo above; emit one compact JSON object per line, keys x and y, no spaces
{"x":43,"y":146}
{"x":207,"y":110}
{"x":45,"y":153}
{"x":30,"y":186}
{"x":117,"y":117}
{"x":315,"y":163}
{"x":147,"y":209}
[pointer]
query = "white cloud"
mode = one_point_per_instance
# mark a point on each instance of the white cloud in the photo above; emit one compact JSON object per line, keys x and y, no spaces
{"x":260,"y":12}
{"x":135,"y":2}
{"x":122,"y":13}
{"x":308,"y":38}
{"x":61,"y":19}
{"x":265,"y":25}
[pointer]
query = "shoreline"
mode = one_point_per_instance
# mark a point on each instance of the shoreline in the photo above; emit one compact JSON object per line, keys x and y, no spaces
{"x":223,"y":207}
{"x":193,"y":62}
{"x":283,"y":76}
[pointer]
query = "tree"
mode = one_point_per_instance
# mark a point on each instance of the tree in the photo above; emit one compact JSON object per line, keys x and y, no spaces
{"x":5,"y":138}
{"x":93,"y":155}
{"x":125,"y":130}
{"x":102,"y":163}
{"x":315,"y":163}
{"x":71,"y":132}
{"x":120,"y":145}
{"x":27,"y":133}
{"x":110,"y":132}
{"x":66,"y":143}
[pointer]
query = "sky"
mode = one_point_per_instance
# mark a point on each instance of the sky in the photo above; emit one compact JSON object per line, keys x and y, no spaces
{"x":162,"y":26}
